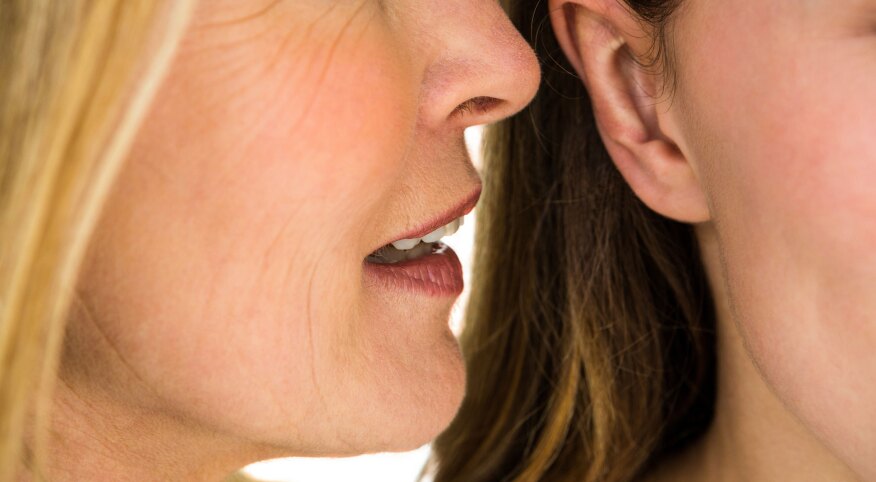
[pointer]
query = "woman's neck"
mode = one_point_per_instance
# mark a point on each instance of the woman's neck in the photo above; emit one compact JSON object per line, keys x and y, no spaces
{"x":753,"y":437}
{"x":94,"y":439}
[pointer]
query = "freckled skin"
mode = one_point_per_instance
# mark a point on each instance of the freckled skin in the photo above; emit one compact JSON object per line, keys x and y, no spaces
{"x":775,"y":105}
{"x":224,"y":287}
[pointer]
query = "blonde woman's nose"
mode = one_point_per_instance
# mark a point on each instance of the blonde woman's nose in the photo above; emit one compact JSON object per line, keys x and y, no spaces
{"x":480,"y":70}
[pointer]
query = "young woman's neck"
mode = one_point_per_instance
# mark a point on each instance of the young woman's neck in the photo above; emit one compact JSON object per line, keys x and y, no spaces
{"x":753,"y":437}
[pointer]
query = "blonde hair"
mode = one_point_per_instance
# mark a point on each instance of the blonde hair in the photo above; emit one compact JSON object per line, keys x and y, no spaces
{"x":76,"y":77}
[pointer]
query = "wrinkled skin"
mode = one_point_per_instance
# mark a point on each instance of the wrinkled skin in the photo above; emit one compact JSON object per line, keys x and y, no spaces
{"x":222,"y":315}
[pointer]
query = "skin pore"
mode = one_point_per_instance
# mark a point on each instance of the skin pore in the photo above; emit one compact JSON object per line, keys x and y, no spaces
{"x":224,"y":314}
{"x":766,"y":146}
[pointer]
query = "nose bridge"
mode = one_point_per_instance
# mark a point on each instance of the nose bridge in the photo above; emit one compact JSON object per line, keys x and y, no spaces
{"x":475,"y":53}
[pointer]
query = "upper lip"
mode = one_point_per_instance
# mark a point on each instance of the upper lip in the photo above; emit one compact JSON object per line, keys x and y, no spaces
{"x":461,"y":209}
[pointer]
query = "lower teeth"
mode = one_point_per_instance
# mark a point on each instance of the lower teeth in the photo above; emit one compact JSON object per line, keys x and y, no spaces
{"x":390,"y":255}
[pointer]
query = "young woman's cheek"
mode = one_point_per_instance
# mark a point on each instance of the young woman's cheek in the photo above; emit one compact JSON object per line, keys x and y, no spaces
{"x":784,"y":140}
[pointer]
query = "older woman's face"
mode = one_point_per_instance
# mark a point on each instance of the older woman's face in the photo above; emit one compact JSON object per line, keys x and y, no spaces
{"x":777,"y":101}
{"x":231,"y":273}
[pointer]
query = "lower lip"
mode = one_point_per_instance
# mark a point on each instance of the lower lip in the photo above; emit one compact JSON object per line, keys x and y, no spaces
{"x":438,"y":274}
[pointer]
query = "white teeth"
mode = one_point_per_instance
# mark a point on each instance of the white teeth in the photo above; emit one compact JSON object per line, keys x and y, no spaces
{"x":452,"y":228}
{"x":435,"y":235}
{"x":405,"y":244}
{"x":447,"y":230}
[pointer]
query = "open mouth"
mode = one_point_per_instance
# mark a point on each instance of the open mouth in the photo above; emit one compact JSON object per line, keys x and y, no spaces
{"x":421,"y":263}
{"x":415,"y":248}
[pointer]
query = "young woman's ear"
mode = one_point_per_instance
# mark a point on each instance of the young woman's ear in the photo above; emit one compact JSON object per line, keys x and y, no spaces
{"x":607,"y":43}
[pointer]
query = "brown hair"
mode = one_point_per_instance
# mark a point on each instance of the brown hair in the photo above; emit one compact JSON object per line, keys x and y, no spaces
{"x":590,"y":334}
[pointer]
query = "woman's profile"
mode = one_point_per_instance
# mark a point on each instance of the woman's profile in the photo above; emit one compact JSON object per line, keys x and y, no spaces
{"x":220,"y":227}
{"x":676,"y":278}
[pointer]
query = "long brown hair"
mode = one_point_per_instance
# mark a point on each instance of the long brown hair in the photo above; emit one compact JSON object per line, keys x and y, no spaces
{"x":590,"y":332}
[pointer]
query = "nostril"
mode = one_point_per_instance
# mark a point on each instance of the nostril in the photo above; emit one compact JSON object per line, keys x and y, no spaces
{"x":477,"y":106}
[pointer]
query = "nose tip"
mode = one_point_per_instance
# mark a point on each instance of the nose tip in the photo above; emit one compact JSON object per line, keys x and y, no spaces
{"x":486,"y":70}
{"x":523,"y":79}
{"x":522,"y":71}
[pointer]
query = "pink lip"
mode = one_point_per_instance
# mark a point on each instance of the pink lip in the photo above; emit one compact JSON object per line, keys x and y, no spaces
{"x":461,"y":209}
{"x":438,"y":274}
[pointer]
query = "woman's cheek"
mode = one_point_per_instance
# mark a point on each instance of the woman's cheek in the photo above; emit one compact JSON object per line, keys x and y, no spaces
{"x":799,"y":236}
{"x":783,"y":128}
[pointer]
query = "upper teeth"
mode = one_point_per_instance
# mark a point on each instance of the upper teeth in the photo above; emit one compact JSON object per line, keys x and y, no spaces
{"x":434,"y":236}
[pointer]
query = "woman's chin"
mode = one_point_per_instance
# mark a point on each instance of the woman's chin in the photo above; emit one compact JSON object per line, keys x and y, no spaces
{"x":435,"y":417}
{"x":420,"y":383}
{"x":426,"y":395}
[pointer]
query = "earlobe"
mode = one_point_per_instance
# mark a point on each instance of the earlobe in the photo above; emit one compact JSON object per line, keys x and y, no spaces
{"x":606,"y":44}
